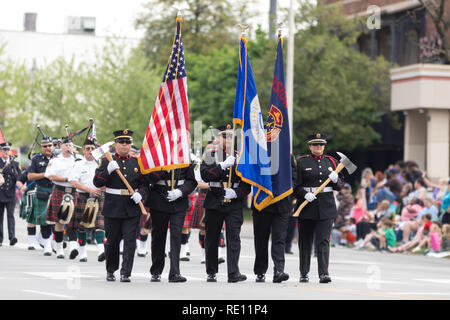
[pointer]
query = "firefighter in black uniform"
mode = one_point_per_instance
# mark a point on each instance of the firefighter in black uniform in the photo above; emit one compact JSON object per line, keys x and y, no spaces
{"x":316,"y":219}
{"x":120,"y":210}
{"x":168,"y":205}
{"x":223,"y":202}
{"x":272,"y":219}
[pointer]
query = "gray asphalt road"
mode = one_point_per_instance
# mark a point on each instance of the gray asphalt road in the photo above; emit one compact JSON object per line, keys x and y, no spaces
{"x":356,"y":275}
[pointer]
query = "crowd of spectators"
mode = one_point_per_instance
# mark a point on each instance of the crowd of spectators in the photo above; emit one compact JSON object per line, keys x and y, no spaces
{"x":398,"y":210}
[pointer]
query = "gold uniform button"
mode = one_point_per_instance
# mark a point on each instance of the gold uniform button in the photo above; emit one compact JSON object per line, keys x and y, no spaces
{"x":124,"y":167}
{"x":320,"y":173}
{"x":320,"y":180}
{"x":320,"y":167}
{"x":124,"y":175}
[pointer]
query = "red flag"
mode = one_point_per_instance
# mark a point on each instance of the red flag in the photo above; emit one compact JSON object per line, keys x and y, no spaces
{"x":2,"y":136}
{"x":167,"y":142}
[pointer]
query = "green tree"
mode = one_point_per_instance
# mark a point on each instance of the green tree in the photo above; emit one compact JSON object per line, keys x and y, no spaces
{"x":337,"y":90}
{"x":207,"y":24}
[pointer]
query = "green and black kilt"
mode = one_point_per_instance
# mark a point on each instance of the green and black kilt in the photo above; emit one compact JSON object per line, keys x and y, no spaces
{"x":35,"y":212}
{"x":55,"y":203}
{"x":79,"y":210}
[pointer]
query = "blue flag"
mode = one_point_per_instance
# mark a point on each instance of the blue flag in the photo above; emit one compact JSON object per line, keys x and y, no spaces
{"x":253,"y":165}
{"x":278,"y":133}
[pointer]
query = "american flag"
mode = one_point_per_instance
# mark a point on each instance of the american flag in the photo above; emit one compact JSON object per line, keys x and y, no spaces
{"x":167,"y":142}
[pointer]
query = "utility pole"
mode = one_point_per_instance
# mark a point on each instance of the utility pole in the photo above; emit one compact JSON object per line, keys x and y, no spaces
{"x":272,"y":19}
{"x":290,"y":70}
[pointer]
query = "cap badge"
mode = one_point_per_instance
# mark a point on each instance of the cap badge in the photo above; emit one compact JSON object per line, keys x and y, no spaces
{"x":318,"y":136}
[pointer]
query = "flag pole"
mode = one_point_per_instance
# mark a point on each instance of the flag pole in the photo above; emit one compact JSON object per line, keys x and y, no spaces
{"x":243,"y":28}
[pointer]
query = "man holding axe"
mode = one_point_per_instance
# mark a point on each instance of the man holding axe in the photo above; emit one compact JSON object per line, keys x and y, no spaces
{"x":317,"y":177}
{"x":125,"y":188}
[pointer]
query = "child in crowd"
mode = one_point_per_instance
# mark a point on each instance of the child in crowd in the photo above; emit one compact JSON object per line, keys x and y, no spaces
{"x":432,"y":241}
{"x":424,"y":227}
{"x":445,"y":240}
{"x":383,"y":238}
{"x":360,"y":208}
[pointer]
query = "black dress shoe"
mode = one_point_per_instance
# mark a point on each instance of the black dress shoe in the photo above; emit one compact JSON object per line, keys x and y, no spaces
{"x":304,"y":278}
{"x":73,"y":254}
{"x":279,"y":277}
{"x":260,"y":278}
{"x":110,"y":276}
{"x":13,"y":241}
{"x":177,"y":278}
{"x":221,"y":260}
{"x":155,"y":278}
{"x":31,"y":248}
{"x":211,"y":277}
{"x":324,"y":278}
{"x":124,"y":278}
{"x":236,"y":278}
{"x":101,"y":257}
{"x":83,"y":260}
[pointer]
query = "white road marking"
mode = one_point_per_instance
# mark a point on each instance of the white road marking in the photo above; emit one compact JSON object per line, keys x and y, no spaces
{"x":49,"y":294}
{"x":59,"y":275}
{"x":439,"y":281}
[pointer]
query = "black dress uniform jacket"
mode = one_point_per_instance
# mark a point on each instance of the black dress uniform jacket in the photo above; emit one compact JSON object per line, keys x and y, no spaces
{"x":119,"y":206}
{"x":211,"y":171}
{"x":157,"y":200}
{"x":312,"y":171}
{"x":38,"y":165}
{"x":10,"y":173}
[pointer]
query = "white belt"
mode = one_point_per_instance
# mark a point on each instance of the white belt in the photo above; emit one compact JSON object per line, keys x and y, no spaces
{"x":313,"y":189}
{"x":163,"y":182}
{"x":118,"y":192}
{"x":219,"y":184}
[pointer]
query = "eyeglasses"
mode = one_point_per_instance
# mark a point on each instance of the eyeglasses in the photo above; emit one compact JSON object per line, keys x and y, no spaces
{"x":123,"y":141}
{"x":47,"y":146}
{"x":317,"y":144}
{"x":55,"y":144}
{"x":89,"y":148}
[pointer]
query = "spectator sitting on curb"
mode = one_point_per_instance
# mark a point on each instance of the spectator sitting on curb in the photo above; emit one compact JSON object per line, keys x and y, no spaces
{"x":344,"y":234}
{"x":369,"y":222}
{"x":383,"y":238}
{"x":411,"y":210}
{"x":432,"y":241}
{"x":445,"y":240}
{"x":420,"y":191}
{"x":390,"y":189}
{"x":445,"y":206}
{"x":424,"y":227}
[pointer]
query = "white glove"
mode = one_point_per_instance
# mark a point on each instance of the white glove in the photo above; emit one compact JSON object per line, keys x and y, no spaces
{"x":333,"y":176}
{"x":310,"y":197}
{"x":112,"y":166}
{"x":174,"y":195}
{"x":136,"y":197}
{"x":229,"y":161}
{"x":230,"y":193}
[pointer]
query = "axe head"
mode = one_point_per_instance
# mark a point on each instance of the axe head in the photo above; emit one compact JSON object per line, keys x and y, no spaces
{"x":348,"y":165}
{"x":100,"y":151}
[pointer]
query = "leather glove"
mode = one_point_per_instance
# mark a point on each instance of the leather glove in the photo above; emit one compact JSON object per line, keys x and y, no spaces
{"x":173,"y":195}
{"x":112,"y":166}
{"x":310,"y":197}
{"x":229,"y":161}
{"x":230,"y":193}
{"x":333,"y":176}
{"x":136,"y":197}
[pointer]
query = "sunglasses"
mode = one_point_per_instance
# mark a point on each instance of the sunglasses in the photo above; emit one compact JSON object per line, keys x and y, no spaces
{"x":317,"y":144}
{"x":47,"y":146}
{"x":124,"y":141}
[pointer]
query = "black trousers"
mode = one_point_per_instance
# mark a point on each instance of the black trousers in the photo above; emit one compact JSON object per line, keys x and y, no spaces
{"x":317,"y":231}
{"x":160,"y":223}
{"x":290,"y":234}
{"x":117,"y":229}
{"x":10,"y":217}
{"x":213,"y":225}
{"x":265,"y":223}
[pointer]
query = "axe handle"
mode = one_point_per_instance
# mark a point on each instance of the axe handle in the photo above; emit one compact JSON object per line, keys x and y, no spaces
{"x":124,"y":180}
{"x":319,"y":190}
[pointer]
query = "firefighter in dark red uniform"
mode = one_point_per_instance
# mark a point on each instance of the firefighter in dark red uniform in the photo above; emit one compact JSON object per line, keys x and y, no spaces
{"x":316,"y":219}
